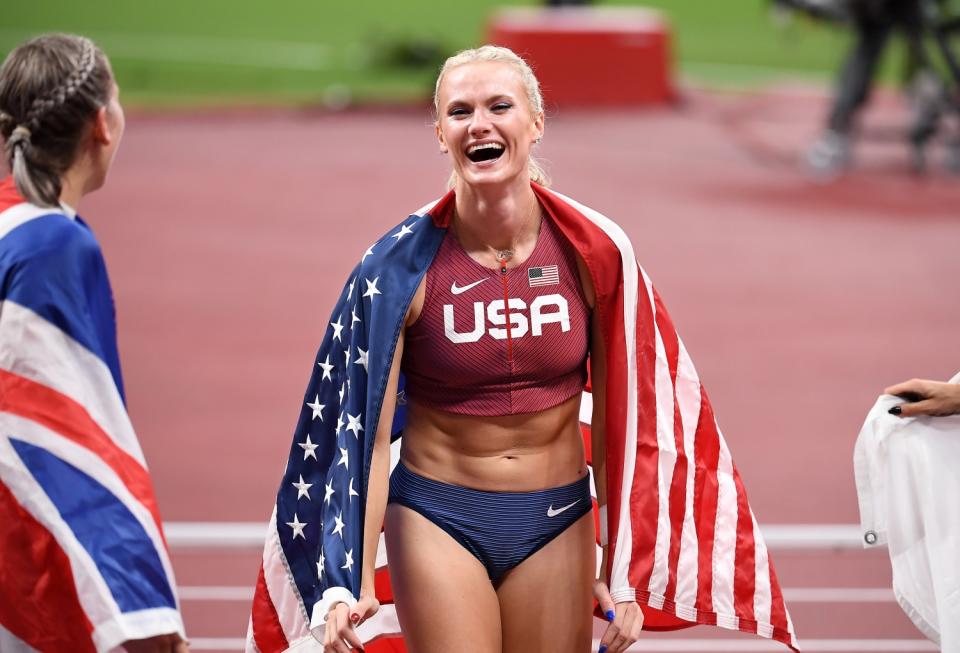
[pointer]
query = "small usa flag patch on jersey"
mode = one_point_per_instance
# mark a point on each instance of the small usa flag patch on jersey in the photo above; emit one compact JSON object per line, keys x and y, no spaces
{"x":546,"y":275}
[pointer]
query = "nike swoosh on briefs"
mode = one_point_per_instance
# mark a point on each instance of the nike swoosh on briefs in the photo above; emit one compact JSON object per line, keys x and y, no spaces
{"x":456,"y":290}
{"x":553,"y":513}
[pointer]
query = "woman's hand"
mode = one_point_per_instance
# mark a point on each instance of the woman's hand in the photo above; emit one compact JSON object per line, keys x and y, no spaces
{"x":625,"y":624}
{"x":340,"y":635}
{"x":171,"y":643}
{"x":926,"y":398}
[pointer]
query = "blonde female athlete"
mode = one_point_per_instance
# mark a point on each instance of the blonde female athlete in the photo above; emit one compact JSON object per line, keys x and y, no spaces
{"x":489,"y":525}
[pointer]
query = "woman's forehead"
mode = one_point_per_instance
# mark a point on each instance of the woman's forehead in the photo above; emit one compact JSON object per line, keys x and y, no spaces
{"x":481,"y":78}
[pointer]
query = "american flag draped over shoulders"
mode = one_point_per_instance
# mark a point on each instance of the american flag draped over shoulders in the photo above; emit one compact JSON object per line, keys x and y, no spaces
{"x":683,"y":540}
{"x":82,"y":555}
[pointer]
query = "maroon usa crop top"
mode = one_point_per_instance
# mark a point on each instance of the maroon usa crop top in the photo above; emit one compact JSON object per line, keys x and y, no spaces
{"x":489,"y":343}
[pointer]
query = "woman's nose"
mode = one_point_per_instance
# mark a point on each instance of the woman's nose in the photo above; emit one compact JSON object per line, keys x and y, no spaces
{"x":479,"y":123}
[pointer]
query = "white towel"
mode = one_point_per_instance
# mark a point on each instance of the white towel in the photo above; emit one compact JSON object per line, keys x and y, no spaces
{"x":908,"y":486}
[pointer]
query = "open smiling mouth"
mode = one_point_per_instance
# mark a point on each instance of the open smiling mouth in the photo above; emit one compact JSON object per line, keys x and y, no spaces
{"x":485,"y":152}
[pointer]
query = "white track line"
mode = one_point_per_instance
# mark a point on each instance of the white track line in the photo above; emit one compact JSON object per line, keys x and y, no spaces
{"x":687,"y":645}
{"x":215,"y":535}
{"x":216,"y":593}
{"x":250,"y":535}
{"x":232,"y":535}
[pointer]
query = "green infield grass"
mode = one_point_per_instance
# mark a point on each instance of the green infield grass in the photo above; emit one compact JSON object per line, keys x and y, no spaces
{"x":216,"y":52}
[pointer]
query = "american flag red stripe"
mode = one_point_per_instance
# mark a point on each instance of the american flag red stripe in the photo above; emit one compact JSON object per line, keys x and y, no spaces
{"x":265,"y":624}
{"x":691,"y":556}
{"x":694,"y":553}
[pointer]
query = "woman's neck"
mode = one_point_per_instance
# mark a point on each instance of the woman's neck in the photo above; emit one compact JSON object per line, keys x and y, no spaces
{"x":76,"y":182}
{"x":497,"y":218}
{"x":70,"y":192}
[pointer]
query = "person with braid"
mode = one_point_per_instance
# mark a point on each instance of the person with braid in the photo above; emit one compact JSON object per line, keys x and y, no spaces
{"x":83,"y":561}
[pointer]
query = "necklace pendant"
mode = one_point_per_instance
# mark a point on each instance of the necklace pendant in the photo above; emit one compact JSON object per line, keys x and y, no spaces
{"x":504,"y":254}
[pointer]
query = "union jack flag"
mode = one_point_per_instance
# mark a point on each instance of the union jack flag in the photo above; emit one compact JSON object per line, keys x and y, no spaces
{"x":684,"y":542}
{"x":82,"y":555}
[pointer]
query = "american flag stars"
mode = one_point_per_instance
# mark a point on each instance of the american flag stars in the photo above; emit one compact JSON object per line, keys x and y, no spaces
{"x":362,"y":360}
{"x":404,"y":230}
{"x":309,"y":448}
{"x":327,"y":368}
{"x":354,"y":424}
{"x":317,"y":408}
{"x":337,"y":329}
{"x":303,"y":489}
{"x":372,"y":288}
{"x":297,"y":527}
{"x":327,"y":492}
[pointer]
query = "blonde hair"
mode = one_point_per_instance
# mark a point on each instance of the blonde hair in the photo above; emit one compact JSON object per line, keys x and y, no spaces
{"x":497,"y":54}
{"x":50,"y":89}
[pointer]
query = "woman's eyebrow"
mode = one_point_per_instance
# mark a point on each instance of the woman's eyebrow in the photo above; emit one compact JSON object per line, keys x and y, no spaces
{"x":493,"y":98}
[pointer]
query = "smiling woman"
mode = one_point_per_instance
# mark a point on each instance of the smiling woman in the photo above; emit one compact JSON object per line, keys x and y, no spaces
{"x":487,"y":513}
{"x":500,"y":106}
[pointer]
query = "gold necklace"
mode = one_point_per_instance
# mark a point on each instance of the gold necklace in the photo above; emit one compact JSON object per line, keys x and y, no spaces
{"x":503,"y":255}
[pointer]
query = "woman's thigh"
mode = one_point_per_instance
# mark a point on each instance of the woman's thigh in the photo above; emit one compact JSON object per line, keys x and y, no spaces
{"x":546,"y":602}
{"x":443,"y":596}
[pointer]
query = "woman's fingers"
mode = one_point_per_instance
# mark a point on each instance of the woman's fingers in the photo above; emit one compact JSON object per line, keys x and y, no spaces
{"x":365,"y":608}
{"x":912,"y":409}
{"x":339,"y":635}
{"x":911,"y":387}
{"x":925,"y":398}
{"x":624,"y":630}
{"x":602,"y":594}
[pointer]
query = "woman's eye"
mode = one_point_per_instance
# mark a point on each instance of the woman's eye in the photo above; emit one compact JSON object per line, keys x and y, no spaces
{"x":501,"y":106}
{"x":459,"y":112}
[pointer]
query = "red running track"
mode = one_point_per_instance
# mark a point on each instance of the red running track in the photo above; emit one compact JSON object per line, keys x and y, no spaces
{"x":228,"y":236}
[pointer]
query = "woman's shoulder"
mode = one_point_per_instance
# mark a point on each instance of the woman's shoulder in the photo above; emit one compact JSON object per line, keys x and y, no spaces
{"x":46,"y":236}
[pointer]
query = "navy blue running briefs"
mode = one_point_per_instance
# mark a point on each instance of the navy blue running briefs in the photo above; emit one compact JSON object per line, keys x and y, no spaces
{"x":501,"y":529}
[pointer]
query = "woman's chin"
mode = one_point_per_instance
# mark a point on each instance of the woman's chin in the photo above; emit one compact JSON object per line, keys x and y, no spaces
{"x":488,"y":175}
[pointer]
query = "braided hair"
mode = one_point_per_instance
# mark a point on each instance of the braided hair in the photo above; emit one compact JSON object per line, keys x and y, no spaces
{"x":50,"y":89}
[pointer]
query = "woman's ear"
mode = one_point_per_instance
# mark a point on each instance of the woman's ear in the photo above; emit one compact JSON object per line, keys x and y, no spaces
{"x":442,"y":141}
{"x":101,"y":130}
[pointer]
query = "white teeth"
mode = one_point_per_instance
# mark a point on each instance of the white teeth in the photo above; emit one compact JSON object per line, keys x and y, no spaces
{"x":485,"y":146}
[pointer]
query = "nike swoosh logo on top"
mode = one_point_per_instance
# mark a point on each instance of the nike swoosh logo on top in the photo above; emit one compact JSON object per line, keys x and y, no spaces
{"x":553,"y":513}
{"x":456,"y":290}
